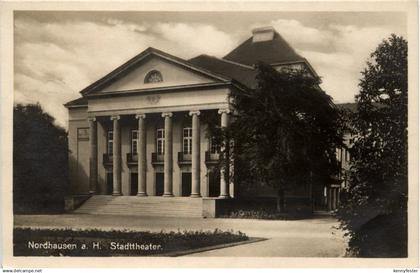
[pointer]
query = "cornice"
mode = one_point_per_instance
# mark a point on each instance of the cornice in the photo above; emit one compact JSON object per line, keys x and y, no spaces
{"x":164,"y":89}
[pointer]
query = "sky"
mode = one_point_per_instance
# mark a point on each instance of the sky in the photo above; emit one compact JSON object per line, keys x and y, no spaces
{"x":57,"y":54}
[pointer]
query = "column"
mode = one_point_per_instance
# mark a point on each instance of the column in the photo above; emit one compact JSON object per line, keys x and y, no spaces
{"x":334,"y":198}
{"x":329,"y":197}
{"x":231,"y":186}
{"x":167,"y":160}
{"x":224,"y":181}
{"x":195,"y":158}
{"x":338,"y":197}
{"x":116,"y":156}
{"x":141,"y":155}
{"x":93,"y":157}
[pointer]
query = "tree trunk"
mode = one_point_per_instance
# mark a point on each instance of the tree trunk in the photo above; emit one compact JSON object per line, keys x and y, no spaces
{"x":311,"y":193}
{"x":280,"y":200}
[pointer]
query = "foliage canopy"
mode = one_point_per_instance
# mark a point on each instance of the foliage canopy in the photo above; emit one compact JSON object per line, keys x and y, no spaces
{"x":375,"y":206}
{"x":285,"y":131}
{"x":40,"y":161}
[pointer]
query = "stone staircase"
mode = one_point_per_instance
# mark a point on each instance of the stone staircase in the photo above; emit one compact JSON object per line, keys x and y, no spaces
{"x":143,"y":206}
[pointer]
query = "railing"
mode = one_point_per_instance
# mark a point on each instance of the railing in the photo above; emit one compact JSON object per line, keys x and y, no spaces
{"x":107,"y":159}
{"x":132,"y":158}
{"x":211,"y":158}
{"x":184,"y":159}
{"x":157,"y":158}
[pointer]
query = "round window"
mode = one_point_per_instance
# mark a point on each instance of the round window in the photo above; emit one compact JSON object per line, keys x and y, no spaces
{"x":153,"y":76}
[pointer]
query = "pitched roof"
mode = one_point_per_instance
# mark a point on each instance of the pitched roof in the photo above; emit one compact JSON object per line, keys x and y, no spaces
{"x":131,"y":64}
{"x":235,"y":68}
{"x":77,"y":102}
{"x":239,"y":72}
{"x":276,"y":50}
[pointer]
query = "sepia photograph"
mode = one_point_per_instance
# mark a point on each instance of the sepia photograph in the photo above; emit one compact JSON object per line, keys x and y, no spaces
{"x":201,"y":134}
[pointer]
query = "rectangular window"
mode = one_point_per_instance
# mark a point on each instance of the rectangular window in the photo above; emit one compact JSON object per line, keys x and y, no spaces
{"x":110,"y":141}
{"x":160,"y":141}
{"x":214,"y":146}
{"x":134,"y":141}
{"x":187,"y":140}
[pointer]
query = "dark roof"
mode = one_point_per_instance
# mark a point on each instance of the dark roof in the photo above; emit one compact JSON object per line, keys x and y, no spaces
{"x":241,"y":73}
{"x":270,"y":52}
{"x":77,"y":102}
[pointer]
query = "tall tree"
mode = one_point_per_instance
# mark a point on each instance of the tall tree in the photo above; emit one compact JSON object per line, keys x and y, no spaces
{"x":285,"y":131}
{"x":40,"y":166}
{"x":374,"y":209}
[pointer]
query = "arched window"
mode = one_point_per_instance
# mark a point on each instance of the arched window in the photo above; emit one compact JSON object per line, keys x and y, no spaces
{"x":153,"y":76}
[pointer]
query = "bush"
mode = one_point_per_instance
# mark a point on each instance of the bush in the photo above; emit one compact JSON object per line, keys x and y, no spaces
{"x":40,"y":161}
{"x":265,"y":208}
{"x":373,"y":210}
{"x":260,"y":213}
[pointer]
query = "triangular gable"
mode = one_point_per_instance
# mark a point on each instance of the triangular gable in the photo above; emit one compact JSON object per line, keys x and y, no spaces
{"x":131,"y":74}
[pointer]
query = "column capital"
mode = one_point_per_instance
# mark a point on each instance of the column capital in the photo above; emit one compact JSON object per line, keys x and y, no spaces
{"x":140,"y":115}
{"x":167,"y":114}
{"x":115,"y":117}
{"x":224,"y":111}
{"x":194,"y":112}
{"x":92,"y":118}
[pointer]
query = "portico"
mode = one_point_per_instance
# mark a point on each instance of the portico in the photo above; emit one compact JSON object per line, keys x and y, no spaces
{"x":146,"y":161}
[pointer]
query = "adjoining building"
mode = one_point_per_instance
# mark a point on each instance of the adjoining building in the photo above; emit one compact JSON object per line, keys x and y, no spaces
{"x":141,"y":129}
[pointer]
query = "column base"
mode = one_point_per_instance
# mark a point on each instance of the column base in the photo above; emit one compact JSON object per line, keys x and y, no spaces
{"x":195,"y":195}
{"x":91,"y":192}
{"x":224,"y":197}
{"x":116,"y":194}
{"x":141,"y":194}
{"x":168,"y":195}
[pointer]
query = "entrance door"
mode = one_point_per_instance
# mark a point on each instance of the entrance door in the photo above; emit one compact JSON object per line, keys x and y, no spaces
{"x":109,"y":182}
{"x":134,"y":184}
{"x":186,"y":184}
{"x":214,"y":183}
{"x":159,"y":183}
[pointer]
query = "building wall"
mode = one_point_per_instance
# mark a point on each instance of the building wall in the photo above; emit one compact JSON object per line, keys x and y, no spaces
{"x":102,"y":171}
{"x":79,"y":152}
{"x":79,"y":155}
{"x":169,"y":101}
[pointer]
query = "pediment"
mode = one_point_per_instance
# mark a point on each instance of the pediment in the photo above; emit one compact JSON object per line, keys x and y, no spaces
{"x":152,"y":69}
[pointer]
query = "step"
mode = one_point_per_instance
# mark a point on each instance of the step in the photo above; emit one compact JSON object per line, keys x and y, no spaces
{"x":144,"y":206}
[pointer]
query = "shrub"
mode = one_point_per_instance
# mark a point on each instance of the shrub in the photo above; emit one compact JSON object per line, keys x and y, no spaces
{"x":40,"y":166}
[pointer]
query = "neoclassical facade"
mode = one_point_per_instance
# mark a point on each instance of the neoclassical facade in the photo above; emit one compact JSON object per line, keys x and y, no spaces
{"x":150,"y":140}
{"x":142,"y":129}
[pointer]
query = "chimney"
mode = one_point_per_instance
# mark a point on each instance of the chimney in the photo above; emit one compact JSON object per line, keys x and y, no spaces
{"x":263,"y":34}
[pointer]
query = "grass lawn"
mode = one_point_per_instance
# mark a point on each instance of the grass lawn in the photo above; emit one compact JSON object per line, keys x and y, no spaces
{"x":67,"y":242}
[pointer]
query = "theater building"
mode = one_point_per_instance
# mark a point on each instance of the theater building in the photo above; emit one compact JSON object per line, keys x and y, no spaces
{"x":141,"y":129}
